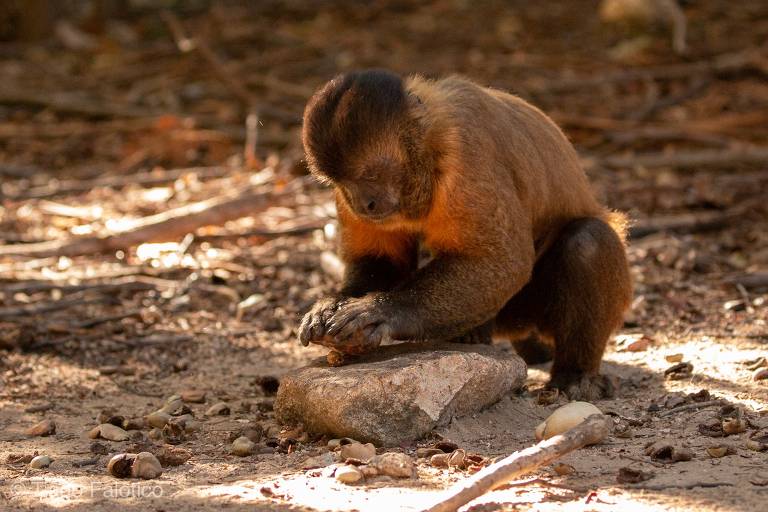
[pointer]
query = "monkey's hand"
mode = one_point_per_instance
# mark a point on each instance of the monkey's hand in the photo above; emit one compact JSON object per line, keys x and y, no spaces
{"x":314,"y":325}
{"x":359,"y":325}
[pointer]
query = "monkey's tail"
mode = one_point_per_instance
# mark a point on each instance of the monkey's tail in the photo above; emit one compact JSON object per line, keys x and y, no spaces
{"x":619,"y":222}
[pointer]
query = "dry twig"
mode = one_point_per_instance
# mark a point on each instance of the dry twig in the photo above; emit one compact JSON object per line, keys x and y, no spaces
{"x":592,"y":430}
{"x":169,"y":225}
{"x":690,"y":159}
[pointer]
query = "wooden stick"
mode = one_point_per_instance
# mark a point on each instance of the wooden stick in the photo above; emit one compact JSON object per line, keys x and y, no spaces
{"x":169,"y":225}
{"x":686,"y":222}
{"x":690,"y":159}
{"x":719,"y":65}
{"x":70,"y":104}
{"x":592,"y":430}
{"x":750,"y":280}
{"x":693,"y":406}
{"x":148,"y":178}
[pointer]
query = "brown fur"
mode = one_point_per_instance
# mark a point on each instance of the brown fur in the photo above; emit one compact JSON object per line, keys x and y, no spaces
{"x":492,"y":187}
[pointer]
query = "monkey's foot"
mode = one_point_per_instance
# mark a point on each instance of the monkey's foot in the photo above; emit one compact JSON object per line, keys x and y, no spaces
{"x":585,"y":387}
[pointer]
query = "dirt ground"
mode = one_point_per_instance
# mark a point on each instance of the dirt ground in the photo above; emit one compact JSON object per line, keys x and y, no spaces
{"x":104,"y":125}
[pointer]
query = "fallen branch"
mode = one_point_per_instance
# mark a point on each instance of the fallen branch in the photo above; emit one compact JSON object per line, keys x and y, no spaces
{"x":719,"y":65}
{"x":692,"y":485}
{"x":690,"y":159}
{"x":693,"y":406}
{"x":148,"y":178}
{"x":169,"y":225}
{"x":750,"y":280}
{"x":35,"y":309}
{"x":592,"y":430}
{"x":685,"y":222}
{"x":301,"y":229}
{"x":70,"y":104}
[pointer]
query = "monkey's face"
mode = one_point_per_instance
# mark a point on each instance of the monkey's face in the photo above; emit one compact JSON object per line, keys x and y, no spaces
{"x":374,"y":192}
{"x":360,"y":134}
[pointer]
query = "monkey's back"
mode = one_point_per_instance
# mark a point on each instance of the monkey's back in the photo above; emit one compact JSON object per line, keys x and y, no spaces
{"x":519,"y":154}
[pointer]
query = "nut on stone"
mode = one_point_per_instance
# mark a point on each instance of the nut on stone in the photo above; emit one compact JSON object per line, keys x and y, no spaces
{"x":335,"y":358}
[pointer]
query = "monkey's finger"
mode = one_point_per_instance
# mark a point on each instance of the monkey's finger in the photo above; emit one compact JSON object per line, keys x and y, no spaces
{"x":380,"y":334}
{"x":311,"y":329}
{"x":358,"y":323}
{"x":339,"y":321}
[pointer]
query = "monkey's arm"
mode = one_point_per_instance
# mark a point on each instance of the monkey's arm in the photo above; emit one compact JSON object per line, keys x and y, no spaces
{"x":374,"y":260}
{"x":451,"y":295}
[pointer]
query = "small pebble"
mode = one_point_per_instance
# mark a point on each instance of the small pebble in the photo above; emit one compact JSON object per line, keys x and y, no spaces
{"x":120,"y":465}
{"x":674,"y":358}
{"x":109,"y":432}
{"x":348,"y":474}
{"x":457,"y":459}
{"x":110,"y":416}
{"x":44,"y":428}
{"x":679,"y":371}
{"x":425,"y":453}
{"x":319,"y":461}
{"x":359,"y":451}
{"x":172,"y":455}
{"x":40,"y":462}
{"x":146,"y":466}
{"x":440,"y":460}
{"x":193,"y":396}
{"x":734,"y":426}
{"x":219,"y":409}
{"x":134,"y":424}
{"x":398,"y":465}
{"x":173,"y":433}
{"x":242,"y":447}
{"x":45,"y":406}
{"x":563,"y":469}
{"x":760,"y":374}
{"x":719,"y":451}
{"x":158,"y":419}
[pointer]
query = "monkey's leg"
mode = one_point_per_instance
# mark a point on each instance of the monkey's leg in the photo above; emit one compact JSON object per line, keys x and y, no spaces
{"x":533,"y":349}
{"x":577,"y":296}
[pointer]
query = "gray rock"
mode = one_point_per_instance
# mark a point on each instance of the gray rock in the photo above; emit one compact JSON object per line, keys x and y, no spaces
{"x":398,"y":394}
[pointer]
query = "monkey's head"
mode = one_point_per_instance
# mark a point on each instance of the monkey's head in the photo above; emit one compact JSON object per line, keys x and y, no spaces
{"x":362,"y":134}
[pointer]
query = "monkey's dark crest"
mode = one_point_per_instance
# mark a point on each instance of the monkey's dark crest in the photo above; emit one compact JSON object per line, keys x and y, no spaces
{"x":347,"y":114}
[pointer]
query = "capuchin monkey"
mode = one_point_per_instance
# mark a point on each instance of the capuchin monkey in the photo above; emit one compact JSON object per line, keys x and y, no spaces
{"x":493,"y":189}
